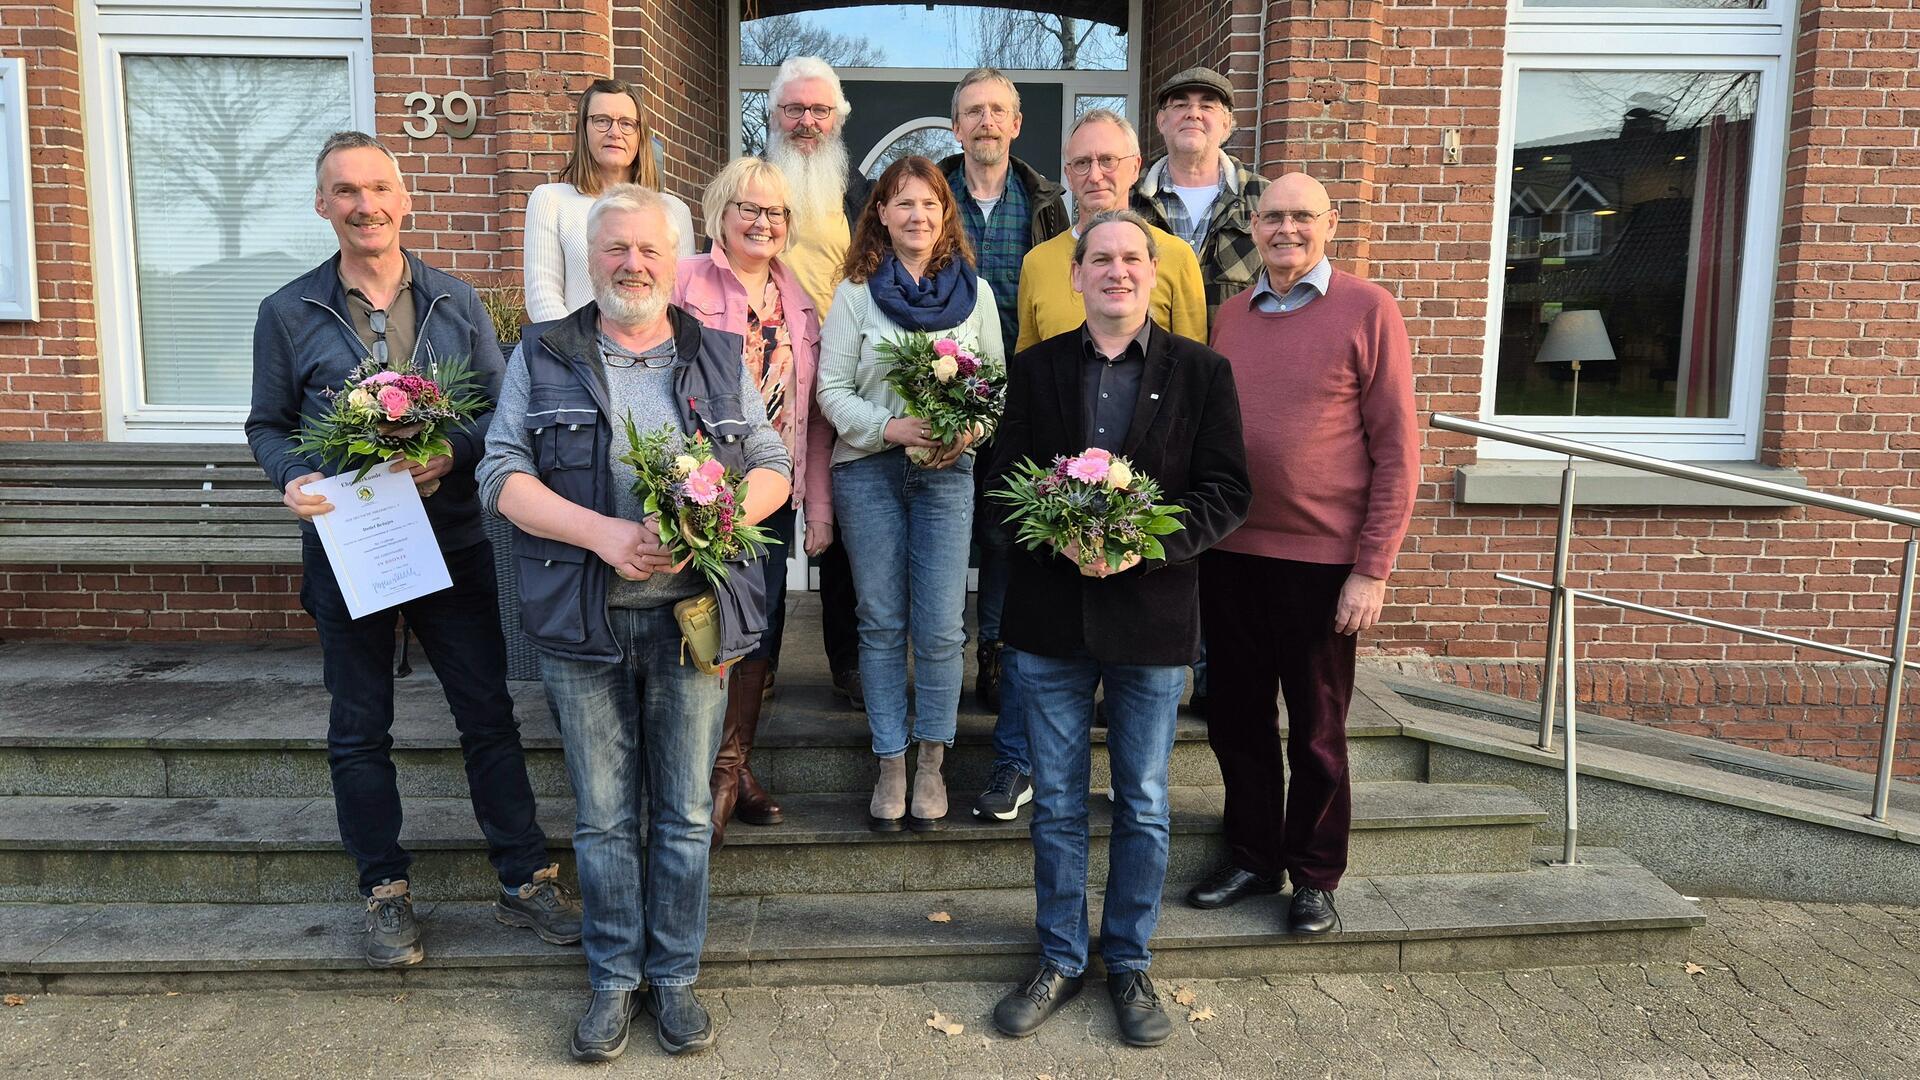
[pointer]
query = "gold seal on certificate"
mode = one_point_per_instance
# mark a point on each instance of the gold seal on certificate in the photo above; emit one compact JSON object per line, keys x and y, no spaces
{"x":378,"y":539}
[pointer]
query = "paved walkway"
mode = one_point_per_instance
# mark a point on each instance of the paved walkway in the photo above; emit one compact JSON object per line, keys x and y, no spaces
{"x":1771,"y":990}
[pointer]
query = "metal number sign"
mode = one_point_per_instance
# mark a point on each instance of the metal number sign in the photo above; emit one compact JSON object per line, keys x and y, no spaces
{"x":459,"y":109}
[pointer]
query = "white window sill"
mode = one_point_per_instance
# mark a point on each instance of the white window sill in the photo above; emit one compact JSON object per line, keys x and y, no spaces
{"x":1537,"y":483}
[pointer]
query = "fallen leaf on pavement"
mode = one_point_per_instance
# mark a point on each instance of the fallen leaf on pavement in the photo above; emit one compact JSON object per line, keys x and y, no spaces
{"x":173,"y":993}
{"x":1693,"y":968}
{"x":939,"y":916}
{"x":1184,"y":996}
{"x":941,"y":1024}
{"x":1200,"y":1016}
{"x":1388,"y":987}
{"x":1042,"y":1076}
{"x":14,"y":999}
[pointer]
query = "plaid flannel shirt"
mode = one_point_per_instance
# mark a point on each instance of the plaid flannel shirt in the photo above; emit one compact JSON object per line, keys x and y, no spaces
{"x":998,"y":245}
{"x":1229,"y":259}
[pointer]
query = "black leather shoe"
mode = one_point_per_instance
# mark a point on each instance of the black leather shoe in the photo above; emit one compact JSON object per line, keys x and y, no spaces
{"x":1228,"y":886}
{"x":1021,"y":1013}
{"x":601,"y":1035}
{"x":1312,"y":911}
{"x":681,"y":1023}
{"x":1136,"y":1009}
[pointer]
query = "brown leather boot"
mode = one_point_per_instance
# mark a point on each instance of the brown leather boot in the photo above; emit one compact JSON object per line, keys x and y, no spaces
{"x":753,"y":804}
{"x":736,"y":738}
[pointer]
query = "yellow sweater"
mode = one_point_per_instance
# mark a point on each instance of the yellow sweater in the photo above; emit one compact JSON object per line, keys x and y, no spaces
{"x":816,"y":259}
{"x":1049,"y":306}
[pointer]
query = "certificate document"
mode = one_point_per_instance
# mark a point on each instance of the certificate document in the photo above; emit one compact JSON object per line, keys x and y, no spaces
{"x":378,"y":540}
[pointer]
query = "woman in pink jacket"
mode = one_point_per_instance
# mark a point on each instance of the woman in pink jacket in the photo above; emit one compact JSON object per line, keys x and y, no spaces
{"x":742,"y":287}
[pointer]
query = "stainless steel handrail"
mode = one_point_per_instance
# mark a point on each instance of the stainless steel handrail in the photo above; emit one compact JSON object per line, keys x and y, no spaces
{"x":1558,"y":673}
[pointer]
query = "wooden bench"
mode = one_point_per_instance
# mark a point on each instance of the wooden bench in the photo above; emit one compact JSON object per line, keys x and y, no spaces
{"x":107,"y":503}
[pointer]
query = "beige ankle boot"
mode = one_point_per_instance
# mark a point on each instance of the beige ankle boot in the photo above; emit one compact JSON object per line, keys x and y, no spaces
{"x":889,"y":803}
{"x":929,"y":790}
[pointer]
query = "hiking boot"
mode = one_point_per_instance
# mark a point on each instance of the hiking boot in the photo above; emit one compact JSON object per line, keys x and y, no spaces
{"x":681,"y":1023}
{"x":1007,"y":791}
{"x":544,"y":906}
{"x":393,"y":936}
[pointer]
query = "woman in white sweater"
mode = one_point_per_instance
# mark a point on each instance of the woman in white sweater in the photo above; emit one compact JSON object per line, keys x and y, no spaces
{"x":906,"y":526}
{"x":611,"y":145}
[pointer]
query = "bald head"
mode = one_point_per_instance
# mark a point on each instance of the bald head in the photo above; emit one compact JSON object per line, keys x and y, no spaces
{"x":1291,"y":228}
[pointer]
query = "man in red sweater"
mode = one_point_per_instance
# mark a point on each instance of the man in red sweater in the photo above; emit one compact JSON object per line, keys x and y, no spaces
{"x":1326,"y":397}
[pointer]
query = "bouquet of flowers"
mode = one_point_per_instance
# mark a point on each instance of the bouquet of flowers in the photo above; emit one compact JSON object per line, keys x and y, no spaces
{"x":1090,"y":506}
{"x":943,"y":383}
{"x":698,"y":499}
{"x":393,"y":410}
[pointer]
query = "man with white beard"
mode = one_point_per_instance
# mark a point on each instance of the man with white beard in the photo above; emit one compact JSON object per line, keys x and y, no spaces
{"x":805,"y":109}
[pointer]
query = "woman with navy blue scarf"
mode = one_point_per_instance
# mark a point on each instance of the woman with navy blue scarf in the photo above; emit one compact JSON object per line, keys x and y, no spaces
{"x":906,"y":527}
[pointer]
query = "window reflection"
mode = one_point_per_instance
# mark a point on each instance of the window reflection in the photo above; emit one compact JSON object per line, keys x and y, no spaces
{"x":1629,"y":197}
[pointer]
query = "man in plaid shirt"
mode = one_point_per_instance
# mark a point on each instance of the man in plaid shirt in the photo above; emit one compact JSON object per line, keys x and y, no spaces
{"x":1198,"y":191}
{"x":1007,"y":207}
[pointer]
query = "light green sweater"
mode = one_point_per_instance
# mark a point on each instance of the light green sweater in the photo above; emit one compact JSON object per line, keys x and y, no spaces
{"x":852,"y":382}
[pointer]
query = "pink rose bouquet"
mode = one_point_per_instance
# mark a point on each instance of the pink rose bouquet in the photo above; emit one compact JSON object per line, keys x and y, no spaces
{"x":393,"y":410}
{"x":945,"y":384}
{"x":700,"y":501}
{"x":1093,"y":504}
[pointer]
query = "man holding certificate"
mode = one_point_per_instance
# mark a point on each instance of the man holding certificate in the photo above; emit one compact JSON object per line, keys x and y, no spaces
{"x":595,"y":408}
{"x":372,"y":302}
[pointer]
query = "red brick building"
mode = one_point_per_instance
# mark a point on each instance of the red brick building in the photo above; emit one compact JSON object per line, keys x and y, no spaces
{"x":1731,"y":185}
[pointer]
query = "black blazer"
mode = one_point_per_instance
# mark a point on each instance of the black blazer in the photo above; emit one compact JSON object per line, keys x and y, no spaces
{"x":1185,"y":435}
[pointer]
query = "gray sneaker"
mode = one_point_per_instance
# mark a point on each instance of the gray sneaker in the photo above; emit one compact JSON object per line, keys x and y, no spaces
{"x":393,"y":937}
{"x":544,"y":906}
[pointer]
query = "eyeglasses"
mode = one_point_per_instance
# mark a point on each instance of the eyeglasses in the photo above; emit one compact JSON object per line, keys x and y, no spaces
{"x":603,"y":123}
{"x":1273,"y":219}
{"x":977,"y":113}
{"x":621,"y":358}
{"x":795,"y":112}
{"x":377,"y":321}
{"x":751,"y":212}
{"x":1080,"y":166}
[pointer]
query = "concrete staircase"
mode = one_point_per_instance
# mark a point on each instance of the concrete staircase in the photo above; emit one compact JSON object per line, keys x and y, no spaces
{"x":166,"y":820}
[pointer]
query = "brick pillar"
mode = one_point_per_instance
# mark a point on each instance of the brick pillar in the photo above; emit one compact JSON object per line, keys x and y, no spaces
{"x":676,"y":52}
{"x":1322,"y":99}
{"x":50,"y":369}
{"x":544,"y":53}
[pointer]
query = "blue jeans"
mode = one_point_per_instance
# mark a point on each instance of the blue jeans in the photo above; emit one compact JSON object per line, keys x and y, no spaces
{"x":640,"y":738}
{"x":906,"y":530}
{"x":1142,"y":702}
{"x":459,"y":628}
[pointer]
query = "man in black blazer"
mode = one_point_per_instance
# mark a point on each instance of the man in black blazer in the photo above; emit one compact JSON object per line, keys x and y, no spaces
{"x":1166,"y":403}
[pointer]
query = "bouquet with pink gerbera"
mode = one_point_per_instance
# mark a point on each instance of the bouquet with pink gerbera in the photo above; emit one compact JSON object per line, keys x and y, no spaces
{"x":945,"y":384}
{"x":1090,"y":506}
{"x":701,"y":503}
{"x":393,"y":410}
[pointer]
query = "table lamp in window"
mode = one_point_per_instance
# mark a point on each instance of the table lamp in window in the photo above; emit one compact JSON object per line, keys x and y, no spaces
{"x":1574,"y":337}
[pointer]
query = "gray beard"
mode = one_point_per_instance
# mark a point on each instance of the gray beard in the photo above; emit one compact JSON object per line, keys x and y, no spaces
{"x":632,"y":314}
{"x":816,"y":182}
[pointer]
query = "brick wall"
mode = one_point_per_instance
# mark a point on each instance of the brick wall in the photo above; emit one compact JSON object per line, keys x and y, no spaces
{"x":676,"y":52}
{"x":1824,"y":711}
{"x":152,"y":603}
{"x":49,"y":370}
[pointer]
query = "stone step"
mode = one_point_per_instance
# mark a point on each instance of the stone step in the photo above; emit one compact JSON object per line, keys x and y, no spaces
{"x":267,"y":738}
{"x":277,"y":850}
{"x":1606,"y":911}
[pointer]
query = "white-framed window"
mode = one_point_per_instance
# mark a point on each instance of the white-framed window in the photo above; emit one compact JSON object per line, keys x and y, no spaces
{"x":205,"y":130}
{"x":1640,"y":169}
{"x":19,"y":291}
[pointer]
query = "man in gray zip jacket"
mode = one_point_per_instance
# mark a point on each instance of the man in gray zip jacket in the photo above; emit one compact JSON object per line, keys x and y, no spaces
{"x":374,"y":299}
{"x":640,"y":725}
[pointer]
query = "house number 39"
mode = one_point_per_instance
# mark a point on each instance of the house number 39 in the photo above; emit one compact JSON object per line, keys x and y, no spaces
{"x":458,"y":108}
